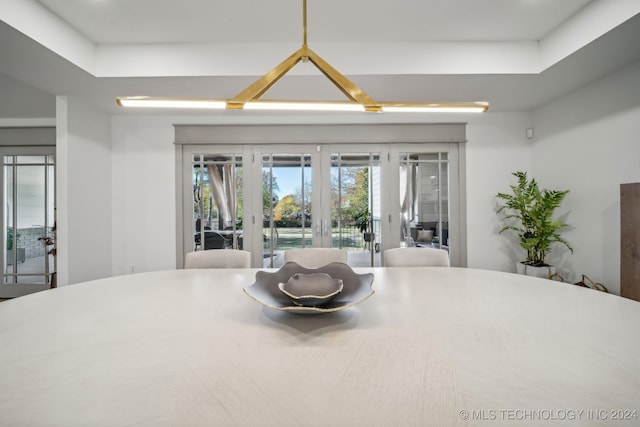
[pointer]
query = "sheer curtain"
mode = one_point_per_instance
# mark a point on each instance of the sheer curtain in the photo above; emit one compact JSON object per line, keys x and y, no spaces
{"x":223,"y":190}
{"x":407,"y":198}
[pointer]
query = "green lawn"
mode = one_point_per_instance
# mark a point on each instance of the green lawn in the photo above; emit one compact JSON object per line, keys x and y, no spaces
{"x":292,"y":238}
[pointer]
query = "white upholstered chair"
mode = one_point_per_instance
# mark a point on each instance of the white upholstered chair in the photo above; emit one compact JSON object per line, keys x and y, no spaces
{"x":218,"y":258}
{"x":315,"y":257}
{"x":416,"y":257}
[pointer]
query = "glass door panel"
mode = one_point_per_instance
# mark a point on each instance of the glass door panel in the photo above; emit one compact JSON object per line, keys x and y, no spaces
{"x":314,"y":199}
{"x":28,"y":200}
{"x":355,"y":206}
{"x":287,"y":218}
{"x":217,"y":201}
{"x":424,"y":200}
{"x":322,"y":195}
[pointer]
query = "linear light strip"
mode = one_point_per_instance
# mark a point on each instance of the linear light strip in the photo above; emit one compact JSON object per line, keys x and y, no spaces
{"x":147,"y":102}
{"x":433,"y":109}
{"x":304,"y":106}
{"x":278,"y":105}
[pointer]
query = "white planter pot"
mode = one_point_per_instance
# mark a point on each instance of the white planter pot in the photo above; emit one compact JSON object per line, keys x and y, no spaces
{"x":529,"y":270}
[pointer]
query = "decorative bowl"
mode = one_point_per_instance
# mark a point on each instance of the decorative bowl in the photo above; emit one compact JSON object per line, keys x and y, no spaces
{"x":311,"y":290}
{"x":355,"y":288}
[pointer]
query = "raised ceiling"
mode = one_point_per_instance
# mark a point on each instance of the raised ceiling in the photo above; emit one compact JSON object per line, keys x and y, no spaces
{"x":515,"y":54}
{"x":279,"y":21}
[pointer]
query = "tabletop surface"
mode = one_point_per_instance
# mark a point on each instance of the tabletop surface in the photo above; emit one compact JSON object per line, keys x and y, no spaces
{"x":431,"y":347}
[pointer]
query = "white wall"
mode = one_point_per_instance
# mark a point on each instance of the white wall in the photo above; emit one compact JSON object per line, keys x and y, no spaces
{"x":144,"y":201}
{"x":30,"y":195}
{"x":496,"y":147}
{"x":83,"y":155}
{"x":587,"y":142}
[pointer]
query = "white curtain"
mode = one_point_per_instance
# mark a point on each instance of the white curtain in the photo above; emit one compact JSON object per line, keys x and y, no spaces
{"x":218,"y":192}
{"x":408,"y":190}
{"x":404,"y":183}
{"x":408,"y":198}
{"x":230,"y":190}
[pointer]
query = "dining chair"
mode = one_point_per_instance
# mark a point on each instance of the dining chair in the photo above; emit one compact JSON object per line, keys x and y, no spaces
{"x":416,"y":257}
{"x":219,"y":258}
{"x":315,"y":257}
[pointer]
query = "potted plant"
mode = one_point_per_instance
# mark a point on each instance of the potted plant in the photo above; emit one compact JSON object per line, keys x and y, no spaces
{"x":363,"y":221}
{"x":528,"y":211}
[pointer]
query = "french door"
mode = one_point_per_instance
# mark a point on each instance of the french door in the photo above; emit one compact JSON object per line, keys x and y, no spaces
{"x":326,"y":196}
{"x":272,"y":196}
{"x":28,"y":211}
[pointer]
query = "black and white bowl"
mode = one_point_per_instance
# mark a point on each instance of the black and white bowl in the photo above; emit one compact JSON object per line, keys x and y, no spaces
{"x":266,"y":289}
{"x":311,"y":290}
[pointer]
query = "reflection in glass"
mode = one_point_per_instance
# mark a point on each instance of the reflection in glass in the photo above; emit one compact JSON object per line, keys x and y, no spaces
{"x":217,"y":201}
{"x":286,"y":202}
{"x":424,"y":199}
{"x":29,"y":218}
{"x":355,"y":205}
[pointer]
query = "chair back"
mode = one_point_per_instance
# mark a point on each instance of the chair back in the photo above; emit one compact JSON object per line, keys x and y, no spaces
{"x":218,"y":259}
{"x":416,"y":257}
{"x":315,"y":257}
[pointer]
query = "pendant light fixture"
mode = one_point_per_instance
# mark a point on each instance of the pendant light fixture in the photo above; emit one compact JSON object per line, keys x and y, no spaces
{"x":249,"y":98}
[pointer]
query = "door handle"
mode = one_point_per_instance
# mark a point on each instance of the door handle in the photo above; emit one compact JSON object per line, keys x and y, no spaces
{"x":318,"y":228}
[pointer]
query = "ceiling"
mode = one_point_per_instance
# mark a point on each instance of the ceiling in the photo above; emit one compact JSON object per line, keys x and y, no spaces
{"x":194,"y":21}
{"x":515,"y":54}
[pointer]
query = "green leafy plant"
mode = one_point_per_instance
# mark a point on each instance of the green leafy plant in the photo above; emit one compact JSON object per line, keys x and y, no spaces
{"x":10,"y":238}
{"x":362,"y":220}
{"x":528,"y":211}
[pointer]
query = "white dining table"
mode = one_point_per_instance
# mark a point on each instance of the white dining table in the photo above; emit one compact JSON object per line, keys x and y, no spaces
{"x":431,"y":347}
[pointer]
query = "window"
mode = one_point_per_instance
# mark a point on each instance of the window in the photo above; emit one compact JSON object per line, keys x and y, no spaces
{"x":28,"y":208}
{"x":217,"y":201}
{"x":424,"y":199}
